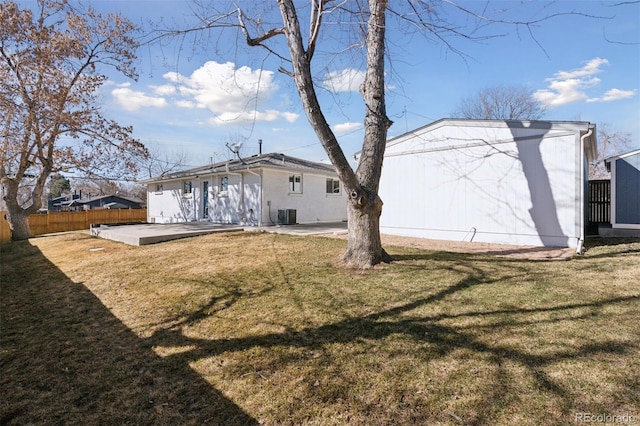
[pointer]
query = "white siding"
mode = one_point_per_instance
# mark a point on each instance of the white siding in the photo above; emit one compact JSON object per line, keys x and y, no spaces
{"x":500,"y":185}
{"x":252,"y":200}
{"x":245,"y":200}
{"x":170,"y":204}
{"x":312,"y":205}
{"x":226,"y":205}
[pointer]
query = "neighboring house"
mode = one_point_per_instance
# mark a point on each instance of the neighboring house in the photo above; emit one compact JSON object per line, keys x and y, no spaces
{"x":75,"y":202}
{"x":259,"y":190}
{"x":625,"y":190}
{"x":62,"y":203}
{"x":512,"y":182}
{"x":108,"y":202}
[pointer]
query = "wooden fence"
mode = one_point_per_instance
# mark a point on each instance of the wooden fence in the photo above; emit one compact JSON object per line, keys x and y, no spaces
{"x":73,"y":221}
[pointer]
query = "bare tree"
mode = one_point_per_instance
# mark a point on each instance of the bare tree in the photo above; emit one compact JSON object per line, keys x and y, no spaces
{"x":610,"y":143}
{"x":50,"y":62}
{"x":501,"y":103}
{"x":161,"y":162}
{"x":357,"y":28}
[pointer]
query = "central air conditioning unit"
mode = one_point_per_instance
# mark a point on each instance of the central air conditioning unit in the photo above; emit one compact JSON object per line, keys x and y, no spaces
{"x":287,"y":217}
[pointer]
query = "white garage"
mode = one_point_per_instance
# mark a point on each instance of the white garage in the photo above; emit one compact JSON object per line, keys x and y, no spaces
{"x":511,"y":182}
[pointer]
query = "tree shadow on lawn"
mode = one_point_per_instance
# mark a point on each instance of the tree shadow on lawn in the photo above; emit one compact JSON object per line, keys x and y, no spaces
{"x":598,"y":247}
{"x":66,"y":359}
{"x":442,"y":339}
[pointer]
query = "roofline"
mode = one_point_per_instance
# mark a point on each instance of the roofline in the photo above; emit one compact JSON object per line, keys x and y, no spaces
{"x":532,"y":124}
{"x":255,"y":162}
{"x":100,"y":197}
{"x":490,"y":123}
{"x":624,"y":155}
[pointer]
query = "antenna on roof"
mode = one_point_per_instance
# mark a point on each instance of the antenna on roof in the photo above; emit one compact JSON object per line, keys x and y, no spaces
{"x":235,"y":148}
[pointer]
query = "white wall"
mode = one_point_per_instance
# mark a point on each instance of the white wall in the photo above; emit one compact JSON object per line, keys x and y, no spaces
{"x":171,"y":205}
{"x":240,"y":204}
{"x":463,"y":183}
{"x":312,"y":205}
{"x":244,"y":201}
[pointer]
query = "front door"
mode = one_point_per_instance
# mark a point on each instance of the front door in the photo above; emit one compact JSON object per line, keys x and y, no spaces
{"x":205,"y":199}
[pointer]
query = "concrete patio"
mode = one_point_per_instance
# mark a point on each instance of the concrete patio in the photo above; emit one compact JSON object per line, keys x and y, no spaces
{"x":151,"y":233}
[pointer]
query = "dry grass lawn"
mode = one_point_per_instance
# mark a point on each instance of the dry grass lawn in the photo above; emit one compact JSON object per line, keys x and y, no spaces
{"x":264,"y":329}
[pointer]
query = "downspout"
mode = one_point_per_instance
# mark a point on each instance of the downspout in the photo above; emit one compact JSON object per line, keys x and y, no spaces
{"x":579,"y":247}
{"x":241,"y":211}
{"x":148,"y":199}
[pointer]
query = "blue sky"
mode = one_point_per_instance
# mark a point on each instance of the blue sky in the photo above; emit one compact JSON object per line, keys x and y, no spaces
{"x":197,"y":99}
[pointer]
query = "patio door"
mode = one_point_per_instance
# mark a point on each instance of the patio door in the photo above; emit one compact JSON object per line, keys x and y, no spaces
{"x":205,"y":199}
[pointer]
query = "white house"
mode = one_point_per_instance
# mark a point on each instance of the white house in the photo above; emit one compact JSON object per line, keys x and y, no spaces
{"x":625,"y":190}
{"x":259,"y":190}
{"x":512,"y":182}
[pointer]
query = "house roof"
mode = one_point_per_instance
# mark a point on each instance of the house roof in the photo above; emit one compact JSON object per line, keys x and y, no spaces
{"x":271,"y":160}
{"x":585,"y":128}
{"x":626,"y":154}
{"x":102,"y":197}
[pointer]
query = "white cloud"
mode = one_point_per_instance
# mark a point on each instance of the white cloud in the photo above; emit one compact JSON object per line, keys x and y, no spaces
{"x":186,"y":104}
{"x":567,"y":87}
{"x":247,"y":116}
{"x":231,"y":94}
{"x":590,"y":68}
{"x":134,"y":100}
{"x":164,"y":90}
{"x":343,"y":128}
{"x":615,"y":95}
{"x":290,"y":116}
{"x":347,"y":80}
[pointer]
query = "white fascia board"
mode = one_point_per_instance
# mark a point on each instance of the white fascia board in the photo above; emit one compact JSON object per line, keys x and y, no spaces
{"x":619,"y":156}
{"x":571,"y":126}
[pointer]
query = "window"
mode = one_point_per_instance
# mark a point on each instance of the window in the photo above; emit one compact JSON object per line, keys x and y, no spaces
{"x":295,"y":184}
{"x":333,"y":186}
{"x":224,"y":183}
{"x":158,"y":187}
{"x":187,"y":187}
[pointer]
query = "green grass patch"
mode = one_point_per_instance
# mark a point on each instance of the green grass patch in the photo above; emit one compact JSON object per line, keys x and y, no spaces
{"x":265,"y":329}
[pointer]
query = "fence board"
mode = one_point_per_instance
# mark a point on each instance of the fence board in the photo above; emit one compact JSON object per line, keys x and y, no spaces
{"x":73,"y":221}
{"x":5,"y":232}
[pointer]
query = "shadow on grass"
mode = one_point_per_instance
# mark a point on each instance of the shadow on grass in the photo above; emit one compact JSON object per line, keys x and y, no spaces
{"x":442,"y":339}
{"x":611,"y":247}
{"x":66,"y":359}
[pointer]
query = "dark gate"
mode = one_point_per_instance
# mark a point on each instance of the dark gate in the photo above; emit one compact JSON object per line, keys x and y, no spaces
{"x":599,"y":201}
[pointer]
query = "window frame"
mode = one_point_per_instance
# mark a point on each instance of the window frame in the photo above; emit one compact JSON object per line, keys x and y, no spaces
{"x":187,"y":188}
{"x":333,"y":182}
{"x":291,"y":183}
{"x":223,"y":186}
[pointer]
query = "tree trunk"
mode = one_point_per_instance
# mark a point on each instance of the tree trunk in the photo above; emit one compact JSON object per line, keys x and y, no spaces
{"x":364,"y":246}
{"x":18,"y":224}
{"x":17,"y":216}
